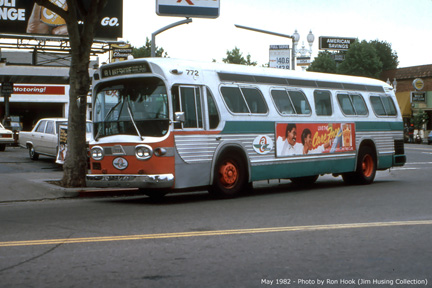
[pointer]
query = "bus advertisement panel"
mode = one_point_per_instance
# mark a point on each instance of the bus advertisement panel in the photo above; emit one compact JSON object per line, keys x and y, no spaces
{"x":314,"y":138}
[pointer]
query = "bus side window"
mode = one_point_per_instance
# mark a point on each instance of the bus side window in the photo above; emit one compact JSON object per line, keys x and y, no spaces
{"x":300,"y":102}
{"x":345,"y":104}
{"x":282,"y":102}
{"x":255,"y":100}
{"x":323,"y":105}
{"x":359,"y":104}
{"x":383,"y":106}
{"x":213,"y":113}
{"x":389,"y":105}
{"x":234,"y":99}
{"x":352,"y":104}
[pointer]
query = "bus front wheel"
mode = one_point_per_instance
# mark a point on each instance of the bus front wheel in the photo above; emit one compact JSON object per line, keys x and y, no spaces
{"x":230,"y":176}
{"x":366,"y":168}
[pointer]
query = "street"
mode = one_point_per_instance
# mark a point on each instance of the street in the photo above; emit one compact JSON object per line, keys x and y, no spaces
{"x":327,"y":235}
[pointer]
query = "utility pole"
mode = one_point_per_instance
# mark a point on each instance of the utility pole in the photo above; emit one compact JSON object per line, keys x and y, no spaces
{"x":153,"y":41}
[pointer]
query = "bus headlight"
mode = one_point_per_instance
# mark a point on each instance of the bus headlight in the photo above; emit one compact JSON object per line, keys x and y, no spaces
{"x":143,"y":152}
{"x":97,"y":153}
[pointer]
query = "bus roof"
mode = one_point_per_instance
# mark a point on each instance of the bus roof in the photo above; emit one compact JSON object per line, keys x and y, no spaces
{"x":264,"y":75}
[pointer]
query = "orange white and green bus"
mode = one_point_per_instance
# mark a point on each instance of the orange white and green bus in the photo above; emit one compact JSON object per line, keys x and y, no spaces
{"x":163,"y":125}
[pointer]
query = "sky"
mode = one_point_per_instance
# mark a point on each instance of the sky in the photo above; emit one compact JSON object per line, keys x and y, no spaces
{"x":406,"y":25}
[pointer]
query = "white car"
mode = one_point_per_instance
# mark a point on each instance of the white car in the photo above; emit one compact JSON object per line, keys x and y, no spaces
{"x":6,"y":137}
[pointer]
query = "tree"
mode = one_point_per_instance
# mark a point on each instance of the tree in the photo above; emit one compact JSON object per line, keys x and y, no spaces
{"x":324,"y":62}
{"x":145,"y":51}
{"x":387,"y":56}
{"x":419,"y":119}
{"x":361,"y":60}
{"x":236,"y":57}
{"x":81,"y":20}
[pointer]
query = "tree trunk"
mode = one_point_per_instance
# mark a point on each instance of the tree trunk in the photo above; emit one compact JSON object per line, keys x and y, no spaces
{"x":76,"y":160}
{"x":81,"y":20}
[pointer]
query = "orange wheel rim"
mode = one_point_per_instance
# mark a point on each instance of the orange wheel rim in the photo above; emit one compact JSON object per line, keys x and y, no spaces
{"x":228,"y":174}
{"x":367,"y":166}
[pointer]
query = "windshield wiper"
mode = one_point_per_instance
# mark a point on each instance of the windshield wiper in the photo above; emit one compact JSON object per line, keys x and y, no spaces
{"x":132,"y":118}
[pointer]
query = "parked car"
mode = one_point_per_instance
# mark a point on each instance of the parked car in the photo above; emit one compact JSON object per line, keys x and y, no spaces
{"x":6,"y":137}
{"x":430,"y":138}
{"x":43,"y":139}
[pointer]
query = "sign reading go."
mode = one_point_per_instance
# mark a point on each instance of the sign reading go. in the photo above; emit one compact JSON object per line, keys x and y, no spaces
{"x":188,"y":8}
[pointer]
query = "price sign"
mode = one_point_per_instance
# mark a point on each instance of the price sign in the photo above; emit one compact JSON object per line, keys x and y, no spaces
{"x":280,"y":56}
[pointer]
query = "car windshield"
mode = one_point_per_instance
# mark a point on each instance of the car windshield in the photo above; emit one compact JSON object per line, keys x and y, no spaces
{"x":131,"y":107}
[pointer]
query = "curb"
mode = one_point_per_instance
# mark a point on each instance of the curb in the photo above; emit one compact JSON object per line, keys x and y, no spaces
{"x":90,"y":191}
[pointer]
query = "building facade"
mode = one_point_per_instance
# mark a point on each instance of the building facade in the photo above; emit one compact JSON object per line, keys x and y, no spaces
{"x":414,"y":93}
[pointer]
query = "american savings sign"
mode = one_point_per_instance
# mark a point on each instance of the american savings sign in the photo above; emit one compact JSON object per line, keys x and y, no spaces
{"x":188,"y":8}
{"x":335,"y":43}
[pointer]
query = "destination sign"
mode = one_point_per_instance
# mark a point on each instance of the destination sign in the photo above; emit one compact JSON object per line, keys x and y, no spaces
{"x":137,"y":68}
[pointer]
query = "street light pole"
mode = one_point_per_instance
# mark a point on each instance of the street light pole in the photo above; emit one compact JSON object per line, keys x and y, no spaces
{"x":275,"y":34}
{"x":153,"y":41}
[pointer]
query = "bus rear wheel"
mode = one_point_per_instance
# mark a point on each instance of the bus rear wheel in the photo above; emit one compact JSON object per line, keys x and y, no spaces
{"x":366,"y":168}
{"x":230,"y":176}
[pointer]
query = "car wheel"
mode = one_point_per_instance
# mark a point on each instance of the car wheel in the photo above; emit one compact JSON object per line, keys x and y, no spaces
{"x":33,"y":154}
{"x":2,"y":147}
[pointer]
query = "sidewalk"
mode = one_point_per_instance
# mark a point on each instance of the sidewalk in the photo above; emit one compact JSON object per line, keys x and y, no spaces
{"x":19,"y":184}
{"x":37,"y":186}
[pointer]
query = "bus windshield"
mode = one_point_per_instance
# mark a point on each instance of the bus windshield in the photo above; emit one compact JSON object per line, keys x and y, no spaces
{"x":131,"y":107}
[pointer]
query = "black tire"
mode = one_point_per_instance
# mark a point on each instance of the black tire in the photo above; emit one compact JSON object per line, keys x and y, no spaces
{"x":2,"y":147}
{"x":230,"y":178}
{"x":32,"y":153}
{"x":304,"y":181}
{"x":366,"y":168}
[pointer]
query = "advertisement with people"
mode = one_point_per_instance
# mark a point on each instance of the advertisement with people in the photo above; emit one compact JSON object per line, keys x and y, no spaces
{"x":314,"y":138}
{"x":62,"y":144}
{"x":25,"y":17}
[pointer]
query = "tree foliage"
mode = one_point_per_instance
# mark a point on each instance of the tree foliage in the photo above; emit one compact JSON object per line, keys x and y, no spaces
{"x":364,"y":58}
{"x":145,"y":51}
{"x":387,"y":56}
{"x":81,"y":21}
{"x":236,"y":57}
{"x":419,"y":119}
{"x":361,"y":60}
{"x":323,"y":63}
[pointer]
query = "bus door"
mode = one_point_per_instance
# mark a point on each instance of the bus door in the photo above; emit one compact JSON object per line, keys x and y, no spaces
{"x":194,"y":135}
{"x":188,"y":100}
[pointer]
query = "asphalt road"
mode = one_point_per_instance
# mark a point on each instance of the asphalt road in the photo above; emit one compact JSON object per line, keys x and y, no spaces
{"x":328,"y":235}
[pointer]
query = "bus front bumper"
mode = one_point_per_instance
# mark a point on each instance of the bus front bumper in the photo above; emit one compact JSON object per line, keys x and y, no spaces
{"x":130,"y":181}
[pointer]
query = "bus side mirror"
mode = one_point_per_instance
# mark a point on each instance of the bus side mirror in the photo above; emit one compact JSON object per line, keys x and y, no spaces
{"x":179,"y":117}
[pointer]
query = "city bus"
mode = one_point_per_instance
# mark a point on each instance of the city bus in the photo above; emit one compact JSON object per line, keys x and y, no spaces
{"x":163,"y":124}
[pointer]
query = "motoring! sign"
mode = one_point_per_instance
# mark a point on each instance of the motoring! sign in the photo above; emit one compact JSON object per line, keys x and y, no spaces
{"x":25,"y":17}
{"x":188,"y":8}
